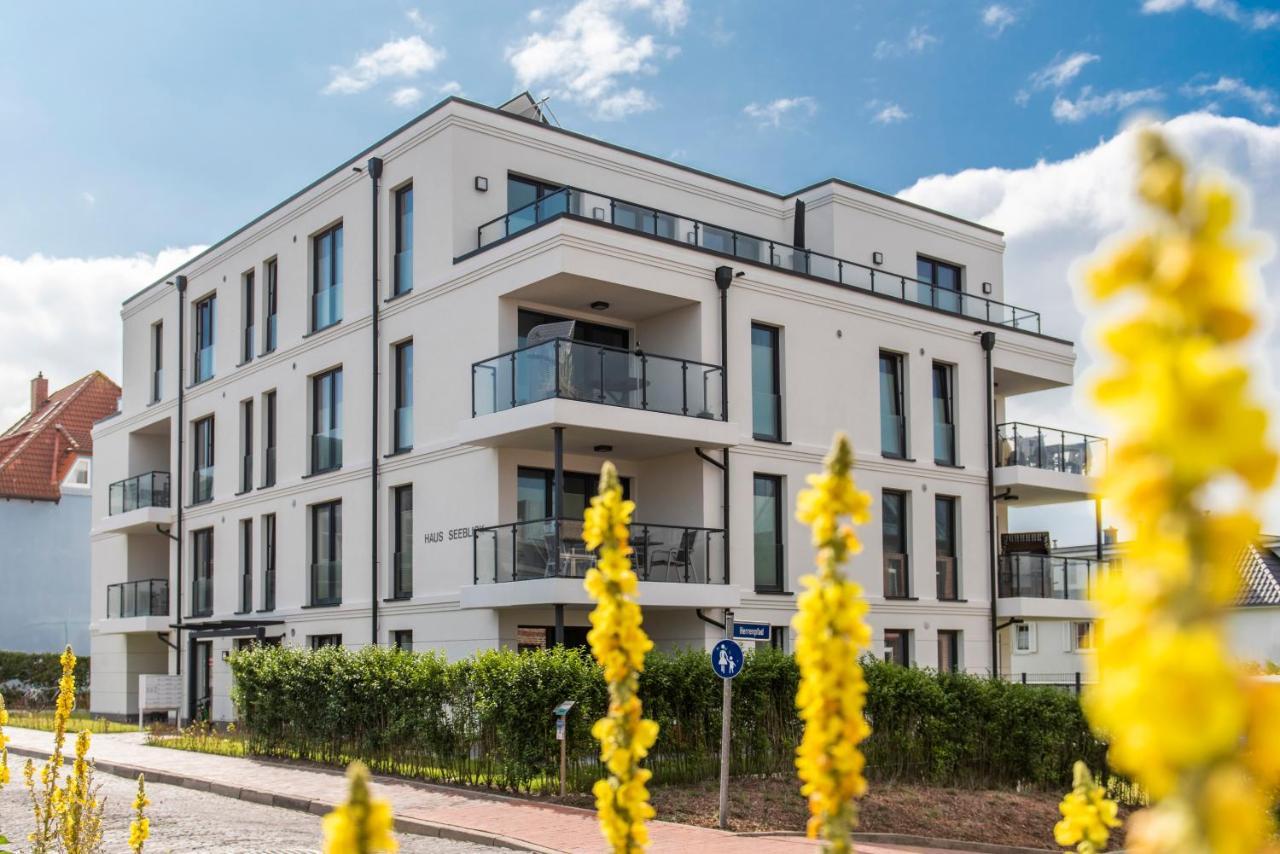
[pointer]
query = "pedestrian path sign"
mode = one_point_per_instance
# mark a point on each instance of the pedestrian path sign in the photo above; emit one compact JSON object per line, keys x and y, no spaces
{"x":726,"y":659}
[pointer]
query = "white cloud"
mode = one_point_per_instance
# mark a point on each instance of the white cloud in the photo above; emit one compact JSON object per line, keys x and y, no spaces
{"x":453,"y":87}
{"x":1060,"y":72}
{"x":62,"y":317}
{"x":997,"y":17}
{"x":1089,"y":103}
{"x":1054,"y":213}
{"x":406,"y":96}
{"x":88,"y":198}
{"x":415,"y":18}
{"x":1262,"y":100}
{"x":590,"y":54}
{"x":918,"y":40}
{"x":888,"y":113}
{"x":407,"y":58}
{"x":1256,"y":19}
{"x":773,"y":113}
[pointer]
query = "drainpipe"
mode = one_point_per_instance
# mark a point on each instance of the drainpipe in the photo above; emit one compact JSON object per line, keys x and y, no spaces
{"x":988,"y":341}
{"x":181,"y":283}
{"x":557,"y":510}
{"x":375,"y":172}
{"x":724,"y":278}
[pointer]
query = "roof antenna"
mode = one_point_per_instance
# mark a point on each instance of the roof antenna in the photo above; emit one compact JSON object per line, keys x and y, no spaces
{"x":545,"y":103}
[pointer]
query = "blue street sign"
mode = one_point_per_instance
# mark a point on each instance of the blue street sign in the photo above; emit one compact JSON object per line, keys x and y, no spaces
{"x":726,"y":659}
{"x":752,"y":631}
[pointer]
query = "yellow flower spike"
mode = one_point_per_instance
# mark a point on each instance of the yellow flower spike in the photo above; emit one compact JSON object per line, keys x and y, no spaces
{"x":1179,"y":715}
{"x":363,"y":824}
{"x":830,"y":635}
{"x":1088,"y":816}
{"x":619,"y":644}
{"x":140,"y":826}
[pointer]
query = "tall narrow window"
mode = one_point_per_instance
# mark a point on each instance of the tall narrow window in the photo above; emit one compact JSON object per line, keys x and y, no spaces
{"x":157,"y":361}
{"x":897,"y":647}
{"x":269,"y":439}
{"x":944,"y":515}
{"x":269,"y":562}
{"x":944,"y":415}
{"x":326,"y":421}
{"x":766,"y":383}
{"x":204,"y":333}
{"x":948,"y":651}
{"x":202,"y":460}
{"x":202,"y":572}
{"x":246,"y":566}
{"x":246,"y":445}
{"x":893,"y":422}
{"x":404,"y":240}
{"x":893,"y":507}
{"x":941,"y":283}
{"x":402,"y":420}
{"x":270,"y":304}
{"x":246,"y":317}
{"x":768,"y":533}
{"x":326,"y":553}
{"x":326,"y":278}
{"x":402,"y":531}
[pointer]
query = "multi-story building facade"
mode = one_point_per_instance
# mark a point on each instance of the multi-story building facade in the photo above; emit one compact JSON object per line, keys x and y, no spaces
{"x":384,"y":402}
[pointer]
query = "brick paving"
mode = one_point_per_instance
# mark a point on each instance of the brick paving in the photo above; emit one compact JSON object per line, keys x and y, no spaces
{"x":419,"y":808}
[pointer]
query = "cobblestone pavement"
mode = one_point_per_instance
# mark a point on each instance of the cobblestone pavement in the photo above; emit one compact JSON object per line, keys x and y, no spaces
{"x":183,"y":820}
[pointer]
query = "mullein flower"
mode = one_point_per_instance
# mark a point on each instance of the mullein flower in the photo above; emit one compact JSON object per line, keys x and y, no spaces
{"x":830,"y":635}
{"x":362,"y":825}
{"x":619,"y":644}
{"x":48,"y":803}
{"x":4,"y":745}
{"x":1190,"y":459}
{"x":1088,"y":816}
{"x":140,"y":826}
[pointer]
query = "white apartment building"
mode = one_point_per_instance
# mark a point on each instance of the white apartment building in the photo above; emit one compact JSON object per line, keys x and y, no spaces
{"x":378,"y":409}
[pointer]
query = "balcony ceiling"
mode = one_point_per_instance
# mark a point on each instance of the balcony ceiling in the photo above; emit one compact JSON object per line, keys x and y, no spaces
{"x":574,"y":292}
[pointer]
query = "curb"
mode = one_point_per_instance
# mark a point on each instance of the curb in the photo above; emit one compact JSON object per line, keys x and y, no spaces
{"x":948,"y":844}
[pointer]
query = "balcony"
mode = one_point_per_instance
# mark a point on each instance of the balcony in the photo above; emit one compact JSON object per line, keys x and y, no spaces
{"x":1038,"y":585}
{"x":595,"y":207}
{"x":136,"y":607}
{"x":1045,"y":465}
{"x":137,"y":504}
{"x":544,"y":561}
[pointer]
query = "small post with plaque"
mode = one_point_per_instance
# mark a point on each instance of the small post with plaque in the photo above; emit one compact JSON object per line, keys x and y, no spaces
{"x":562,"y":715}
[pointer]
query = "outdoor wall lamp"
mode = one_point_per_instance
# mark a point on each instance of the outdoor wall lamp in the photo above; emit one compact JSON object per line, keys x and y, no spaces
{"x":482,"y":184}
{"x":877,"y":257}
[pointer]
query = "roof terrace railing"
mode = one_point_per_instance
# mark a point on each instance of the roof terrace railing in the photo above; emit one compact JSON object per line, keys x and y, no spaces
{"x":1020,"y":444}
{"x":597,"y":207}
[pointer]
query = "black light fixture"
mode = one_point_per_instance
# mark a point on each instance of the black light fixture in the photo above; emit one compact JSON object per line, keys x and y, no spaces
{"x":482,"y":184}
{"x":603,"y":449}
{"x":877,"y":258}
{"x":599,"y":305}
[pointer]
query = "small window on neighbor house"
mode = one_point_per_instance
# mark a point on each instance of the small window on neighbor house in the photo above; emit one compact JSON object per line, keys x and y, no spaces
{"x":402,"y":639}
{"x":1082,"y":635}
{"x":1024,"y":637}
{"x":897,"y":647}
{"x":321,"y":641}
{"x":79,"y":474}
{"x":948,"y":651}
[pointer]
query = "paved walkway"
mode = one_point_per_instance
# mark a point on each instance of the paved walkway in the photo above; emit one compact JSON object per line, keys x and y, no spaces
{"x":419,"y":808}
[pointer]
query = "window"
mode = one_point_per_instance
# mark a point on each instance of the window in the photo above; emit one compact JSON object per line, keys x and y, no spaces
{"x":79,"y":474}
{"x":402,"y":533}
{"x":534,"y":488}
{"x":270,"y":305}
{"x":945,"y":279}
{"x":202,"y":572}
{"x":326,"y":278}
{"x":944,"y":524}
{"x":402,"y":422}
{"x":768,"y":533}
{"x":647,"y":220}
{"x":403,"y":273}
{"x":269,"y":439}
{"x":897,"y":576}
{"x":1024,"y":637}
{"x":326,"y":553}
{"x":531,"y":201}
{"x":778,"y":638}
{"x":897,"y":647}
{"x":326,"y":421}
{"x":269,"y":562}
{"x":948,"y":651}
{"x":202,"y":460}
{"x":893,"y":423}
{"x":944,"y":424}
{"x":246,"y":445}
{"x":246,"y":317}
{"x":204,"y":332}
{"x":1082,"y":636}
{"x":246,"y":566}
{"x":766,"y":383}
{"x":157,"y":361}
{"x":321,"y":641}
{"x":402,"y":639}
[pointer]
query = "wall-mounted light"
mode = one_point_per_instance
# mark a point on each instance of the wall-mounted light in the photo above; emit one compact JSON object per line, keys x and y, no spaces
{"x":603,"y":449}
{"x":986,"y":287}
{"x":599,"y":305}
{"x":482,"y":184}
{"x":597,"y":214}
{"x":877,"y":257}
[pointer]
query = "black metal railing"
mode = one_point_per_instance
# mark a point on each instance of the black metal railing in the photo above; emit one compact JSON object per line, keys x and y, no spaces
{"x":576,"y":370}
{"x":144,"y":490}
{"x":522,"y":551}
{"x":146,"y":598}
{"x":597,"y":207}
{"x":1047,"y":576}
{"x":1019,"y":444}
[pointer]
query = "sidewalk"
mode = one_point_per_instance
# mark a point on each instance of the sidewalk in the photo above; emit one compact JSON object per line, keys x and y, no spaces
{"x":419,"y":808}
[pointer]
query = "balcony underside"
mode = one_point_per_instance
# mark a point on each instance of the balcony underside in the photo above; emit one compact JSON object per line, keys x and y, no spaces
{"x":1029,"y":607}
{"x":140,"y":521}
{"x":131,"y":625}
{"x":569,"y":591}
{"x":1033,"y":486}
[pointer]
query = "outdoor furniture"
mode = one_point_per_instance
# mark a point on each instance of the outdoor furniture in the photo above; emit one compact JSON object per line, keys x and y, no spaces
{"x":542,"y":361}
{"x":675,"y":557}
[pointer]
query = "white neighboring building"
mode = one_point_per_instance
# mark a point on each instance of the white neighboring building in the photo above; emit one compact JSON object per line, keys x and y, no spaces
{"x":376,"y":399}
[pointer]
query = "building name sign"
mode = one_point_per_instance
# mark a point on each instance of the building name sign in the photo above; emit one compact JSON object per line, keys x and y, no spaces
{"x":434,"y":537}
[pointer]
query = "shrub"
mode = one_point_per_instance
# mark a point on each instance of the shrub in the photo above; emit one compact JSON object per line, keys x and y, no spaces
{"x":31,"y":678}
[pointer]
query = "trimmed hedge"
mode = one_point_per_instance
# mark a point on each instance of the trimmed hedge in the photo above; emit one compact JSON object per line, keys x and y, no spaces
{"x":31,"y":678}
{"x":487,"y":720}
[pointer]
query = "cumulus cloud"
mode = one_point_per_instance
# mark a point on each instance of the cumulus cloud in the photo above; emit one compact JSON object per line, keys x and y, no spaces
{"x":917,"y":40}
{"x":453,"y":87}
{"x":1056,"y":212}
{"x":1089,"y":103}
{"x":405,"y":58}
{"x":998,"y":17}
{"x":591,"y":54}
{"x":406,"y":96}
{"x":1060,"y":72}
{"x":775,"y":112}
{"x":887,"y":112}
{"x":62,"y":317}
{"x":1261,"y":99}
{"x":1254,"y":19}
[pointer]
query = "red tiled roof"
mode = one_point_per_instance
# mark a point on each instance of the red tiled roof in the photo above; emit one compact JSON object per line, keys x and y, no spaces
{"x":38,"y":452}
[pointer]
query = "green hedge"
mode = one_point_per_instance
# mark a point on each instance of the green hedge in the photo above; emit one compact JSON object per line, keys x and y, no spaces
{"x":31,"y":678}
{"x":487,"y":720}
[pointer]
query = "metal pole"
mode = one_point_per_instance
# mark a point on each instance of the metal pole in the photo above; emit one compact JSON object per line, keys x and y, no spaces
{"x":726,"y":712}
{"x":565,"y":741}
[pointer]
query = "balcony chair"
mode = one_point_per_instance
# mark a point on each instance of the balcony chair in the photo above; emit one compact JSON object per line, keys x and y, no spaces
{"x":675,"y":557}
{"x":542,"y":362}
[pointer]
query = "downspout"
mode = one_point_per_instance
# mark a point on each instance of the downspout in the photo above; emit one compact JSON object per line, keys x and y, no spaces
{"x":375,"y":172}
{"x":181,"y":283}
{"x":988,"y":341}
{"x":724,"y":278}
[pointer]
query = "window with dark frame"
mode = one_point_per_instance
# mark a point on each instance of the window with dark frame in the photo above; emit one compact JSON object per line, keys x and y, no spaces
{"x":531,"y":201}
{"x":403,"y":282}
{"x":893,"y":422}
{"x":326,"y":553}
{"x":402,"y":639}
{"x":202,"y":339}
{"x":246,"y":566}
{"x":402,"y":420}
{"x":326,"y":421}
{"x":766,"y":383}
{"x":269,"y":562}
{"x":944,"y":515}
{"x":322,"y":641}
{"x":893,"y":508}
{"x":270,"y":306}
{"x":247,"y":316}
{"x":945,"y":281}
{"x":202,"y":460}
{"x":897,"y":647}
{"x":202,"y":572}
{"x":269,"y":439}
{"x":246,"y":445}
{"x":157,"y":361}
{"x":948,"y":651}
{"x":326,"y":278}
{"x":767,"y":529}
{"x":402,"y":535}
{"x":944,"y":423}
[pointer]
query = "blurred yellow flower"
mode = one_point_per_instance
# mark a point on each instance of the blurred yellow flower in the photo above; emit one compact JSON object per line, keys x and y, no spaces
{"x":362,"y":825}
{"x":1087,"y":815}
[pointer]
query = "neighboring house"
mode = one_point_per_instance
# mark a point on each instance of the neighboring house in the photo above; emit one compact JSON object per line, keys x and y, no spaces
{"x":383,"y":404}
{"x":46,"y":471}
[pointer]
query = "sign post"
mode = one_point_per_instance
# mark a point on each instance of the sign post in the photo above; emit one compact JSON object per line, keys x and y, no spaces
{"x":562,"y":714}
{"x":726,"y":661}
